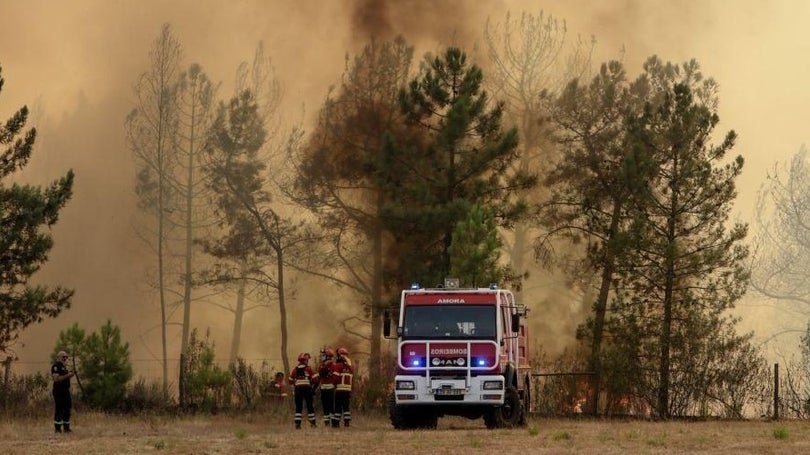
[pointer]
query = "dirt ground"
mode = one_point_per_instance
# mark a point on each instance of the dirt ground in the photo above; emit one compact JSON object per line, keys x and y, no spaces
{"x":257,"y":434}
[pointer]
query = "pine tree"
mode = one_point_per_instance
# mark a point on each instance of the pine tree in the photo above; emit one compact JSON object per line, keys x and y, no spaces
{"x":239,"y":178}
{"x":26,"y":214}
{"x":152,"y":133}
{"x":475,"y":250}
{"x":340,"y":181}
{"x":106,"y":368}
{"x":460,"y":159}
{"x":686,"y":268}
{"x":592,"y":182}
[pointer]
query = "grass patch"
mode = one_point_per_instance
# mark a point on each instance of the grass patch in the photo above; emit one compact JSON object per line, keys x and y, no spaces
{"x":605,"y":436}
{"x":560,"y":436}
{"x":660,"y":441}
{"x":780,"y":433}
{"x":98,"y":434}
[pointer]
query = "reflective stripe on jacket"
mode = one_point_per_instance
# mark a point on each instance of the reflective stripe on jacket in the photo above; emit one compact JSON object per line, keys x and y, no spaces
{"x":325,"y":375}
{"x":344,"y":373}
{"x":303,"y":376}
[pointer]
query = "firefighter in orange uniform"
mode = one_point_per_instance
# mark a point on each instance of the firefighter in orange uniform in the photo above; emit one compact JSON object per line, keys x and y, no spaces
{"x":304,"y":380}
{"x":344,"y":373}
{"x":327,"y":384}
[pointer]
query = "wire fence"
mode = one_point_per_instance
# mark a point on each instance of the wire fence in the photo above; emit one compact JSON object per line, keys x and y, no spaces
{"x":148,"y":369}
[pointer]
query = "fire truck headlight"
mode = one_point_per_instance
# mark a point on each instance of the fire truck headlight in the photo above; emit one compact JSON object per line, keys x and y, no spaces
{"x":405,"y":385}
{"x":493,"y":385}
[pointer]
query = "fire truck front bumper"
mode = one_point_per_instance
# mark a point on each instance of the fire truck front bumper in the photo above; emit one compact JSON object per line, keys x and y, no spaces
{"x":416,"y":390}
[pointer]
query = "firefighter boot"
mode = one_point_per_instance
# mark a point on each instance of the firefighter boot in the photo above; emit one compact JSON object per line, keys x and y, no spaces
{"x":297,"y":425}
{"x":335,"y":423}
{"x":57,"y":428}
{"x":66,"y":427}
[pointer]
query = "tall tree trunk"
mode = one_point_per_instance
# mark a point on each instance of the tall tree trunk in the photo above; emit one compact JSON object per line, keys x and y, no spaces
{"x":522,"y":228}
{"x":666,"y":337}
{"x":282,"y":308}
{"x":600,"y":306}
{"x":666,"y":326}
{"x":162,"y":290}
{"x":376,"y":297}
{"x":189,"y":238}
{"x":238,"y":315}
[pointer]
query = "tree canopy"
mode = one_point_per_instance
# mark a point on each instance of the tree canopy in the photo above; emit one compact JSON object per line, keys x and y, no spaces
{"x":27,"y":213}
{"x":462,"y":159}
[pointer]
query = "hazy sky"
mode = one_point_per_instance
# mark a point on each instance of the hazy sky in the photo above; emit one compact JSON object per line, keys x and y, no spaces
{"x":76,"y":62}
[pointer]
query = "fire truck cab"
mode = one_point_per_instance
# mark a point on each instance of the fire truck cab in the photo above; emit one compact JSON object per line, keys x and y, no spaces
{"x":460,"y":352}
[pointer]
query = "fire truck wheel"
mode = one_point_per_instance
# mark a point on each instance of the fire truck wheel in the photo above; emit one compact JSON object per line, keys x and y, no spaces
{"x":527,"y":401}
{"x":396,"y":414}
{"x":509,"y":415}
{"x":429,"y":422}
{"x":403,"y":418}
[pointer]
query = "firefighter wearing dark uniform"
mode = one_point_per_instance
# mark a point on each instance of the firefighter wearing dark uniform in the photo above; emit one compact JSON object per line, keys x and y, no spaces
{"x":343,"y":388}
{"x":327,"y":384}
{"x":61,"y":393}
{"x":304,"y":381}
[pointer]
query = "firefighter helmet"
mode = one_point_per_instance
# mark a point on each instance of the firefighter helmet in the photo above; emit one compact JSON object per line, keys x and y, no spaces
{"x":303,"y":357}
{"x":342,"y":351}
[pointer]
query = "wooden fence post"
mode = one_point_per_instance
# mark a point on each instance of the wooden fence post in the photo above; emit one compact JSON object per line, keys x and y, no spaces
{"x":181,"y":386}
{"x":775,"y":391}
{"x":6,"y":392}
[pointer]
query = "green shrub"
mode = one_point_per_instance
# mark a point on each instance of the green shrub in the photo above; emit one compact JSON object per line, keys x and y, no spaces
{"x":101,"y":361}
{"x":561,"y":436}
{"x":246,"y":384}
{"x":106,"y":368}
{"x":206,"y":386}
{"x":780,"y":433}
{"x":26,"y":395}
{"x":143,"y":396}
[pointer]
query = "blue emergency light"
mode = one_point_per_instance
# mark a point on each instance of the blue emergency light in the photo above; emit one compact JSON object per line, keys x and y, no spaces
{"x":415,"y":286}
{"x":416,"y":362}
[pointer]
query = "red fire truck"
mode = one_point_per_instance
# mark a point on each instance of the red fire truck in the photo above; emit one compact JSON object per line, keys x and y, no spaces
{"x":460,"y":352}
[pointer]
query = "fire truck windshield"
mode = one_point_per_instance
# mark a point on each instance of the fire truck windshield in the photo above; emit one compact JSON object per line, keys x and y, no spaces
{"x":449,"y":321}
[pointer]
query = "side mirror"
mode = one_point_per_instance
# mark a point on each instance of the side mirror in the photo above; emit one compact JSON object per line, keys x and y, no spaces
{"x":386,"y":323}
{"x":399,"y":331}
{"x":515,"y":322}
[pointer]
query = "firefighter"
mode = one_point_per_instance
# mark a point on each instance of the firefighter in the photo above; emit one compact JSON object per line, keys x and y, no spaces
{"x":278,"y":388}
{"x":327,"y":384}
{"x":344,"y":373}
{"x":61,"y":393}
{"x":304,"y":381}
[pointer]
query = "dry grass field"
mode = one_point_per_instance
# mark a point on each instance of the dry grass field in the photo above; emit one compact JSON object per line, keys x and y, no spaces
{"x":258,"y":434}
